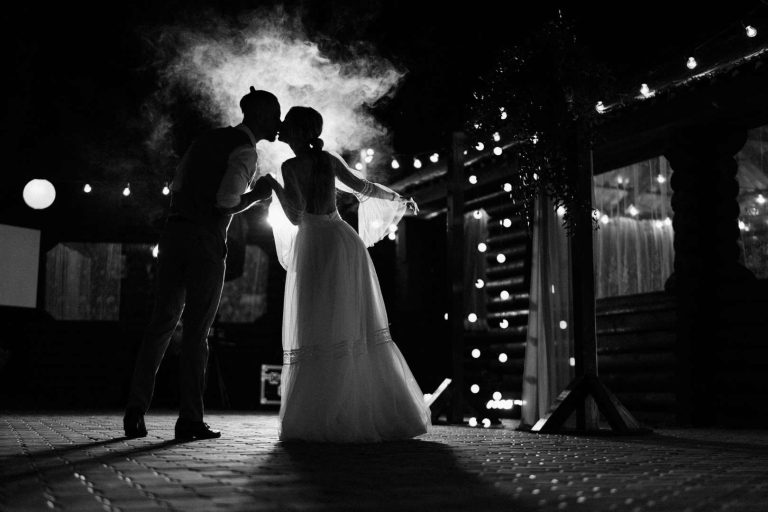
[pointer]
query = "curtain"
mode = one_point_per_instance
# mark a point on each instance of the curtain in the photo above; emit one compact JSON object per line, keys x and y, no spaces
{"x":83,"y":281}
{"x":549,"y":343}
{"x":634,"y":242}
{"x":475,"y":232}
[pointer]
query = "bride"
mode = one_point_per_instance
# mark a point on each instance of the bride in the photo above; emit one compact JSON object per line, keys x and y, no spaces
{"x":343,"y":379}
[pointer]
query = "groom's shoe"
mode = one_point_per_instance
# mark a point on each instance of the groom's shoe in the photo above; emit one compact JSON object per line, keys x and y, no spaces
{"x":187,"y":430}
{"x":133,"y":423}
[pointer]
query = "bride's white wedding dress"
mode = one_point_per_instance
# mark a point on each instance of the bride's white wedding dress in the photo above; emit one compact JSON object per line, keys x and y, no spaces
{"x":343,"y":378}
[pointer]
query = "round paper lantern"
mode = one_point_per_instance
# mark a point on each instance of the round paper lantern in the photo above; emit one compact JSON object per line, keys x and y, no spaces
{"x":39,"y":194}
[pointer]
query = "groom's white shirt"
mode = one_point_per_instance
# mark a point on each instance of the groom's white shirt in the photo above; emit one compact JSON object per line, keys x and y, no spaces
{"x":241,"y":169}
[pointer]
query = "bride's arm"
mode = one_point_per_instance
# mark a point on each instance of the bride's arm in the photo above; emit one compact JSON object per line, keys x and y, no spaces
{"x":289,"y":196}
{"x":359,"y":185}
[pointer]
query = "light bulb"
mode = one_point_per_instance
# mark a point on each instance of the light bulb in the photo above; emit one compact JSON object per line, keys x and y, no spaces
{"x":497,"y":151}
{"x":504,"y":324}
{"x":127,"y":190}
{"x":359,"y":166}
{"x":395,"y":164}
{"x":434,"y":158}
{"x":501,"y":258}
{"x":478,"y":214}
{"x":632,"y":210}
{"x":496,"y":137}
{"x":751,"y":31}
{"x":369,"y":152}
{"x":563,"y":325}
{"x":482,"y":247}
{"x":760,"y":199}
{"x":661,"y":179}
{"x":502,"y":357}
{"x":646,"y":91}
{"x":368,"y":159}
{"x":475,"y":353}
{"x":392,"y":236}
{"x":600,"y":107}
{"x":496,"y":395}
{"x":87,"y":188}
{"x":472,"y":422}
{"x":486,"y":423}
{"x":472,"y":318}
{"x":507,"y":187}
{"x":691,"y":63}
{"x":166,"y":190}
{"x":472,"y":179}
{"x":479,"y":283}
{"x":605,"y":219}
{"x":155,"y":250}
{"x":504,"y":295}
{"x":506,"y":223}
{"x":480,"y":146}
{"x":417,"y":163}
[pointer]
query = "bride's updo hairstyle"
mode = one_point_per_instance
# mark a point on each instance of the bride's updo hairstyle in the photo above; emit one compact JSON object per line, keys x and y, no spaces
{"x":302,"y":126}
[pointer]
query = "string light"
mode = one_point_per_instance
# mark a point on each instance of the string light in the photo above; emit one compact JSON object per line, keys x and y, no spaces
{"x":417,"y":163}
{"x":87,"y":188}
{"x":127,"y":190}
{"x":392,"y":236}
{"x":497,"y":151}
{"x":480,"y":146}
{"x":395,"y":164}
{"x":434,"y":158}
{"x":479,"y":283}
{"x":691,"y":63}
{"x":359,"y":166}
{"x":751,"y":31}
{"x":370,"y":152}
{"x":600,"y":107}
{"x":496,"y":395}
{"x":473,"y":179}
{"x":166,"y":190}
{"x":482,"y":247}
{"x":368,"y":159}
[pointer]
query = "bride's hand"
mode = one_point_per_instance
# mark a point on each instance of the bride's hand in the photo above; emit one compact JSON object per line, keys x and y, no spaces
{"x":409,"y":203}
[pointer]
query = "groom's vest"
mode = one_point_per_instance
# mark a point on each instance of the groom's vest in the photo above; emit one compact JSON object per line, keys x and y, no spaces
{"x":200,"y":174}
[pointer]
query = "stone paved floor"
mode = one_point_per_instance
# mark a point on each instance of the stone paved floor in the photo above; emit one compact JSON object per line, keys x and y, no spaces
{"x":76,"y":462}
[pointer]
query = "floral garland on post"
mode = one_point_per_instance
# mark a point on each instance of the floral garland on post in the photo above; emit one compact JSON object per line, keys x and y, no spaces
{"x":541,"y":94}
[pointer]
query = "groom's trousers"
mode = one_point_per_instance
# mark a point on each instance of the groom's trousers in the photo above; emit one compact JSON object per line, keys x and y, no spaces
{"x":190,"y":279}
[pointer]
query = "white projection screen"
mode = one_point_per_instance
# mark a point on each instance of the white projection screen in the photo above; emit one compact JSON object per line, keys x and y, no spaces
{"x":19,"y":259}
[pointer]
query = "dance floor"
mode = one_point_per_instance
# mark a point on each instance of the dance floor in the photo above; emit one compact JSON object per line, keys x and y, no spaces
{"x":78,"y":461}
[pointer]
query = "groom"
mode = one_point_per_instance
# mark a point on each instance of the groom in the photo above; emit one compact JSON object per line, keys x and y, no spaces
{"x":209,"y":187}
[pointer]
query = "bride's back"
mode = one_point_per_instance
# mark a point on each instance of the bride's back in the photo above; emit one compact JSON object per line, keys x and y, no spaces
{"x":314,"y":178}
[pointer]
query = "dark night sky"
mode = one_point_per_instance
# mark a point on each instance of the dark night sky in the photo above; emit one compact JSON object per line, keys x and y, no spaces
{"x":79,"y":75}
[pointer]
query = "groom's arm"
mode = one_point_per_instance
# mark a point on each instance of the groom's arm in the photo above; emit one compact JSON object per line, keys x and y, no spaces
{"x":232,"y":196}
{"x":261,"y":190}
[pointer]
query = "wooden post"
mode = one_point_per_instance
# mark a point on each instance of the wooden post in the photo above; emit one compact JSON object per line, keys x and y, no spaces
{"x":585,"y":395}
{"x":455,"y":268}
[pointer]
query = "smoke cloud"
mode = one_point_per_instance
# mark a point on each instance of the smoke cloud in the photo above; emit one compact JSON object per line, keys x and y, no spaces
{"x":270,"y":51}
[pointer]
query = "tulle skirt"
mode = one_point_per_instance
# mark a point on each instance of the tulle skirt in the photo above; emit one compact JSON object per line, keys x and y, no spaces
{"x":343,"y":379}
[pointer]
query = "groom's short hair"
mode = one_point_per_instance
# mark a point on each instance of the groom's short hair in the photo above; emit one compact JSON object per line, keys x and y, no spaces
{"x":257,"y":101}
